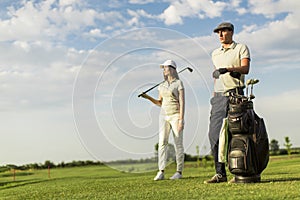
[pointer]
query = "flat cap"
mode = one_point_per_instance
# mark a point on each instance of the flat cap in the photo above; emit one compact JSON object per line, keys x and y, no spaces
{"x":224,"y":25}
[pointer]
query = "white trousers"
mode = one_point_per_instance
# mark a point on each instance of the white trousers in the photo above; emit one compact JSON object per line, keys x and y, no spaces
{"x":166,"y":124}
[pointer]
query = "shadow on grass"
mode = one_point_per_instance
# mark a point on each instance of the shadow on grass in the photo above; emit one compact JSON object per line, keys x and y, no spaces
{"x":280,"y":180}
{"x":14,"y":184}
{"x":17,"y":174}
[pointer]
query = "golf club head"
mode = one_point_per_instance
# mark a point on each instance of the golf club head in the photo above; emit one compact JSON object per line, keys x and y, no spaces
{"x":190,"y":69}
{"x":252,"y":96}
{"x":252,"y":81}
{"x":249,"y":81}
{"x":255,"y":81}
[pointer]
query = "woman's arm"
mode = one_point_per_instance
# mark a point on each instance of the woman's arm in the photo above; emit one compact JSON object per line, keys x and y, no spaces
{"x":157,"y":102}
{"x":181,"y":109}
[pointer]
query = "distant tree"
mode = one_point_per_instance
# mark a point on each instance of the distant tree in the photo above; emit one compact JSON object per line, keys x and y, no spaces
{"x":288,"y":145}
{"x":204,"y":161}
{"x":11,"y":166}
{"x":156,"y":151}
{"x":48,"y":163}
{"x":274,"y":146}
{"x":198,"y":155}
{"x":62,"y":164}
{"x":189,"y":157}
{"x":32,"y":166}
{"x":171,"y":155}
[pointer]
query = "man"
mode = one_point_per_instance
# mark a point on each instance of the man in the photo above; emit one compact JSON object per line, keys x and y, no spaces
{"x":232,"y":62}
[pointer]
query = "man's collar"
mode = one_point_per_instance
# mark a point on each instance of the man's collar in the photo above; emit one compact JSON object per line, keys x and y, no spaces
{"x":232,"y":46}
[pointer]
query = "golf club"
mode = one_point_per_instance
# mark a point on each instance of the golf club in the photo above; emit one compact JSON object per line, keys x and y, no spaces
{"x":251,"y":82}
{"x":187,"y":68}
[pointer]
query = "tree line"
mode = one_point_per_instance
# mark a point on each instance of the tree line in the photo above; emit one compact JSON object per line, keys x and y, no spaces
{"x":287,"y":150}
{"x":200,"y":159}
{"x":49,"y":164}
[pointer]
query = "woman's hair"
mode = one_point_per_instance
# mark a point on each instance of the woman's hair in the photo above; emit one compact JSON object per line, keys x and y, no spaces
{"x":173,"y":73}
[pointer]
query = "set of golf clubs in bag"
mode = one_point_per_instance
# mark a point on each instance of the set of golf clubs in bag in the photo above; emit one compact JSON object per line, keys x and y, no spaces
{"x":248,"y":143}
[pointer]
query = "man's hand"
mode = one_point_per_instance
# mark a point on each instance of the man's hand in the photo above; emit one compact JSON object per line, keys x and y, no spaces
{"x":218,"y":72}
{"x":235,"y":75}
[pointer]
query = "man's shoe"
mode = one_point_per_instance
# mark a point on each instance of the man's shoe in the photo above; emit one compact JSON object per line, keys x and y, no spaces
{"x":177,"y":175}
{"x":218,"y":178}
{"x":232,"y":180}
{"x":159,"y":176}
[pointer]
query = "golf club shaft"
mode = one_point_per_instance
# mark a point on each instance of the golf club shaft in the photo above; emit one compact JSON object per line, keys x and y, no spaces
{"x":190,"y":69}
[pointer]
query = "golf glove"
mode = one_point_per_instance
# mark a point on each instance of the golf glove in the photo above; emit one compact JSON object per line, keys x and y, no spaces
{"x":236,"y":75}
{"x":218,"y":72}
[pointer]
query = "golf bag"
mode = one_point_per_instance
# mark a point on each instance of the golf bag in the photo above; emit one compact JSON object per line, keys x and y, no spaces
{"x":248,"y":151}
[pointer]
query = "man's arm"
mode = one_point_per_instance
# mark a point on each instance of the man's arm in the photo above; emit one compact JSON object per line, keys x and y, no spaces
{"x":235,"y":71}
{"x":243,"y":69}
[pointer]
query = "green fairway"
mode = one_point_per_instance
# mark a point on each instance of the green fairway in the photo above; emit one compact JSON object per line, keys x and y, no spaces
{"x":281,"y":180}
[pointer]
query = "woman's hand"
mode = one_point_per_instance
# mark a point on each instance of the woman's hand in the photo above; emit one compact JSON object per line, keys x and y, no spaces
{"x":145,"y":96}
{"x":180,"y":125}
{"x":155,"y":101}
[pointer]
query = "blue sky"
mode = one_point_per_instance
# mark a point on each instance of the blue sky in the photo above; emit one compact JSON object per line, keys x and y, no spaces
{"x":71,"y":71}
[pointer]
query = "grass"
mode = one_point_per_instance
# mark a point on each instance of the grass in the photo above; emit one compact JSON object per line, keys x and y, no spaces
{"x":281,"y":180}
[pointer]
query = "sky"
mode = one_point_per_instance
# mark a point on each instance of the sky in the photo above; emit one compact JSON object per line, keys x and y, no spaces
{"x":71,"y":71}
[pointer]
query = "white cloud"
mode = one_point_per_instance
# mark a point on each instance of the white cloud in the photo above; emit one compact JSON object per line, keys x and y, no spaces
{"x":140,"y":13}
{"x":25,"y":23}
{"x":274,"y":7}
{"x":274,"y":43}
{"x":175,"y":13}
{"x":51,"y":21}
{"x":141,"y":1}
{"x":137,"y":17}
{"x":209,"y":9}
{"x":115,"y":4}
{"x":34,"y":77}
{"x":96,"y":33}
{"x":22,"y":45}
{"x":172,"y":16}
{"x":235,"y":3}
{"x":69,"y":2}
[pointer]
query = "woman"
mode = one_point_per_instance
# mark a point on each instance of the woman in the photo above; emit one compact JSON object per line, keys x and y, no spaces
{"x":171,"y":100}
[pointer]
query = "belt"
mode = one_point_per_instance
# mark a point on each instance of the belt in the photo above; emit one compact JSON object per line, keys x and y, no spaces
{"x":238,"y":90}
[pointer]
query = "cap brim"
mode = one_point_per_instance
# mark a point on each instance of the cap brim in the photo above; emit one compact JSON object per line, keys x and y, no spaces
{"x":217,"y":29}
{"x":162,"y":66}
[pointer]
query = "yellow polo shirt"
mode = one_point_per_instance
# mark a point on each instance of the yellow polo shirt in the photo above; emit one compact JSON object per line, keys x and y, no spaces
{"x":170,"y":96}
{"x":229,"y":57}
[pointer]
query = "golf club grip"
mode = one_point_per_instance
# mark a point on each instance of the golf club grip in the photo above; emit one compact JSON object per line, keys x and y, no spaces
{"x":149,"y":89}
